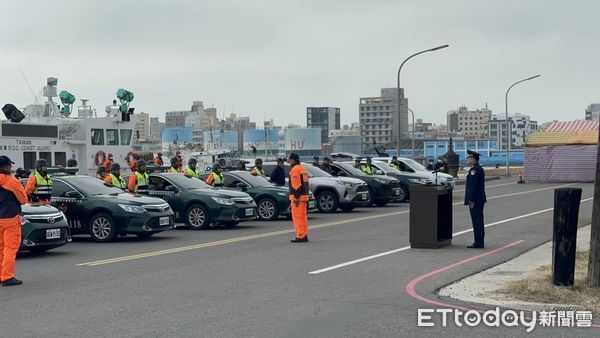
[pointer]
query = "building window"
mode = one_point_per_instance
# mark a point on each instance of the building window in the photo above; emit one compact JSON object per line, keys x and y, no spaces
{"x":112,"y":137}
{"x":46,"y":156}
{"x":98,"y":137}
{"x":126,"y":137}
{"x":60,"y":158}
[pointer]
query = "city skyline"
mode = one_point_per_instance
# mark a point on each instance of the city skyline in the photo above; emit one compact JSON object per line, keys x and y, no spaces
{"x":270,"y":59}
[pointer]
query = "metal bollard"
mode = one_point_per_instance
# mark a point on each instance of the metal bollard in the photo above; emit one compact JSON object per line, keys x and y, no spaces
{"x":564,"y":238}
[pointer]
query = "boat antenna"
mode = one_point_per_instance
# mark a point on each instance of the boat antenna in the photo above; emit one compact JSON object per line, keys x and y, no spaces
{"x":28,"y":85}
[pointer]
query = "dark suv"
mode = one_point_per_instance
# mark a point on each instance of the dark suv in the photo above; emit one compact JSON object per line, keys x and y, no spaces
{"x":382,"y":189}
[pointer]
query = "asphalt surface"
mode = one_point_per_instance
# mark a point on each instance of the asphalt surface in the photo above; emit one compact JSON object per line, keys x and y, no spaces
{"x":251,"y":281}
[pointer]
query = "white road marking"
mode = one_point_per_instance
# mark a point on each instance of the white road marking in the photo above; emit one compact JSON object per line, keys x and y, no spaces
{"x":276,"y":233}
{"x":341,"y":265}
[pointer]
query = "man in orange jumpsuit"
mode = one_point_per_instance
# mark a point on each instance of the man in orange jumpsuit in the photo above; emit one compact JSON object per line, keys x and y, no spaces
{"x":12,"y":196}
{"x":299,"y":191}
{"x":109,"y":161}
{"x":39,"y":185}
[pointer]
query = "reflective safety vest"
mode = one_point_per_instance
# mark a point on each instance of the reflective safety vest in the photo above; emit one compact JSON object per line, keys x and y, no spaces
{"x":368,"y":170}
{"x":118,"y":182}
{"x":395,"y":165}
{"x":217,"y":180}
{"x":43,"y":187}
{"x":173,"y":170}
{"x":141,"y":186}
{"x":192,"y":172}
{"x":258,"y":172}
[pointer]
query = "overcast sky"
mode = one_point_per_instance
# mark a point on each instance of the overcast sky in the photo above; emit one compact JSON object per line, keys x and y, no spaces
{"x":275,"y":58}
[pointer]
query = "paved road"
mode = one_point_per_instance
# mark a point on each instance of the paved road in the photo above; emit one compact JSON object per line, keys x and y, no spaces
{"x":251,"y":281}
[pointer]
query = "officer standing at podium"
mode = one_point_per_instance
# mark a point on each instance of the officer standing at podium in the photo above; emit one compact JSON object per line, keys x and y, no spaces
{"x":475,"y":198}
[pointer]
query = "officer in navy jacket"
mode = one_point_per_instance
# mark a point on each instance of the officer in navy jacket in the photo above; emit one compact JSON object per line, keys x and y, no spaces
{"x":475,"y":198}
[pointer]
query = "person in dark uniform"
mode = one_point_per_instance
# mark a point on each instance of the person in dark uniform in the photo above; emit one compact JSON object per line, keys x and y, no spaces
{"x":475,"y":198}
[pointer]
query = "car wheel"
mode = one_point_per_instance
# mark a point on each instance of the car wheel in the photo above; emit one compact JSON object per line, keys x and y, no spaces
{"x":145,"y":234}
{"x":327,"y":202}
{"x":267,"y":209}
{"x":371,"y":197}
{"x":196,"y":217}
{"x":403,"y":197}
{"x":103,"y":228}
{"x":347,"y":208}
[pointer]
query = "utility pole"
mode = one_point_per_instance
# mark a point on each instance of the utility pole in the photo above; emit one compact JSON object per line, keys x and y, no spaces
{"x":594,"y":260}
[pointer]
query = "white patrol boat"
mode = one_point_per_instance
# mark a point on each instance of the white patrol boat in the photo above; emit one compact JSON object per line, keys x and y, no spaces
{"x":47,"y":131}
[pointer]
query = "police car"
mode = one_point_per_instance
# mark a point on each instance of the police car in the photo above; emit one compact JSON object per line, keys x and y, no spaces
{"x":95,"y":208}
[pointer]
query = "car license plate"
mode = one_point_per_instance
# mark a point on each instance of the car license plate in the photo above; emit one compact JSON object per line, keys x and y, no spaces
{"x":164,"y":220}
{"x":397,"y":192}
{"x":249,"y":212}
{"x":52,"y":233}
{"x":364,"y":197}
{"x":311,"y":204}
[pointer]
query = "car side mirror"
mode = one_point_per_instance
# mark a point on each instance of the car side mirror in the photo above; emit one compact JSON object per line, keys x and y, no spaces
{"x":241,"y":186}
{"x":171,"y":188}
{"x":378,"y":172}
{"x":73,"y":194}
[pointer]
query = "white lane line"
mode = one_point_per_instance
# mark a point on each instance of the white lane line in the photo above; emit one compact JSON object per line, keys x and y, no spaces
{"x":341,"y":265}
{"x":274,"y":233}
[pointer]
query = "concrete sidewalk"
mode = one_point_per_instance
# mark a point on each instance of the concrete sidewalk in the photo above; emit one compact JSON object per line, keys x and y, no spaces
{"x":483,"y":287}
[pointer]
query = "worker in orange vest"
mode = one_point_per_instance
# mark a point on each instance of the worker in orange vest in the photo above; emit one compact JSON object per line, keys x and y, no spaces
{"x":299,"y":191}
{"x":12,"y":196}
{"x":109,"y":161}
{"x":133,"y":163}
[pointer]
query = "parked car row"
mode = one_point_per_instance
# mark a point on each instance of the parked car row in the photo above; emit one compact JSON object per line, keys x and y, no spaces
{"x":83,"y":205}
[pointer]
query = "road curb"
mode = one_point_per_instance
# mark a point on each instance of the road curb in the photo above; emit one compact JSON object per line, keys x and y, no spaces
{"x":481,"y":287}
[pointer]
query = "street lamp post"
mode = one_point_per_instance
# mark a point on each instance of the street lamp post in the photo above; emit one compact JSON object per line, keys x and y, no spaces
{"x":508,"y":125}
{"x":413,"y":132}
{"x":398,"y":88}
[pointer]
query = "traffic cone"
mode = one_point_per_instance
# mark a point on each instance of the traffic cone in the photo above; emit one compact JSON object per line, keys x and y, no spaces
{"x":520,"y":179}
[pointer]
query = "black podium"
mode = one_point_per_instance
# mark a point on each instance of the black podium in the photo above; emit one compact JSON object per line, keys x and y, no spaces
{"x":430,"y":216}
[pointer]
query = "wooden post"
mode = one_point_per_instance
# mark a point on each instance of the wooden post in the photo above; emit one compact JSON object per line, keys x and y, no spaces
{"x":594,"y":263}
{"x":564,"y":239}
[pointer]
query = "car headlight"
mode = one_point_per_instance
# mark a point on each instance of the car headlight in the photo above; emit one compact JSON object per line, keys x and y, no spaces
{"x":24,"y":220}
{"x":282,"y":193}
{"x":419,"y":180}
{"x":134,"y":209}
{"x":346,"y":184}
{"x":380,"y":180}
{"x":221,"y":200}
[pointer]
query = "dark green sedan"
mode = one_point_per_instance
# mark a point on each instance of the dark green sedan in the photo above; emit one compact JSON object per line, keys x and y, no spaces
{"x":272,"y":201}
{"x":105,"y":212}
{"x":200,"y":205}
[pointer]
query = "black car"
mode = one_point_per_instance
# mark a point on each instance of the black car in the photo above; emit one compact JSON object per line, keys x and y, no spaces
{"x":104,"y":212}
{"x":198,"y":204}
{"x":405,"y":179}
{"x":382,"y":189}
{"x":272,"y":201}
{"x":43,"y":227}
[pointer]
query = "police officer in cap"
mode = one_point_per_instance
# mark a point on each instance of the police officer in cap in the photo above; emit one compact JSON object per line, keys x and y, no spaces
{"x":174,"y":165}
{"x":475,"y":198}
{"x":101,"y":172}
{"x":139,"y":180}
{"x":191,"y":171}
{"x":72,"y":163}
{"x":215,"y":178}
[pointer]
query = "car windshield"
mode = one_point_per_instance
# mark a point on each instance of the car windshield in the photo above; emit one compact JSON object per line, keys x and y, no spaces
{"x":90,"y":186}
{"x":255,"y":181}
{"x":386,"y":167}
{"x":414,"y":164}
{"x":184,"y":182}
{"x":351,"y":170}
{"x":314,"y":171}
